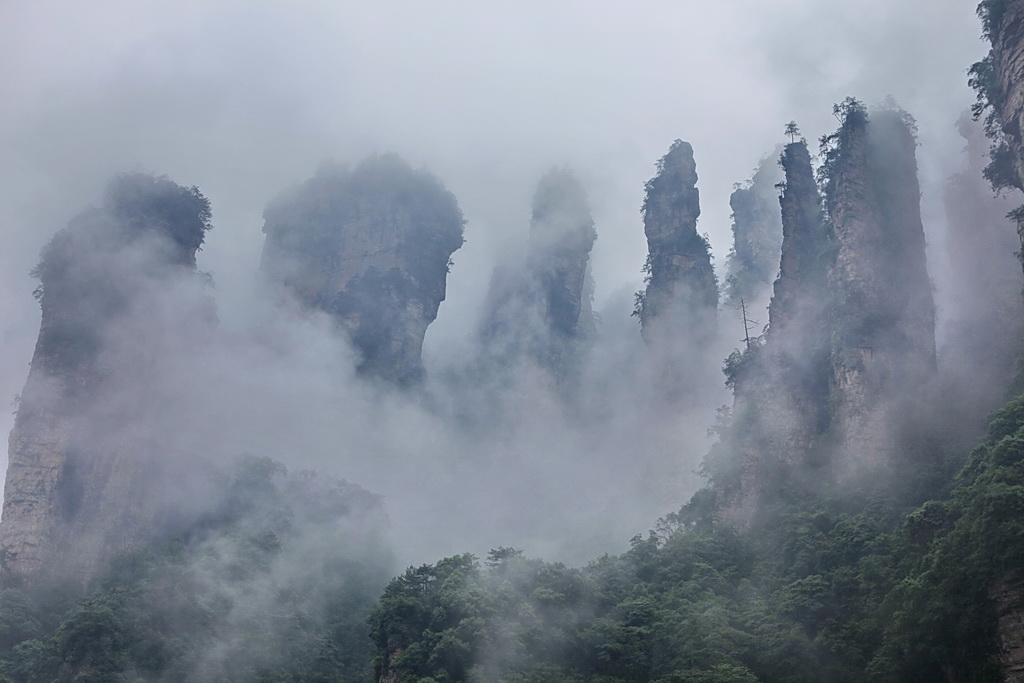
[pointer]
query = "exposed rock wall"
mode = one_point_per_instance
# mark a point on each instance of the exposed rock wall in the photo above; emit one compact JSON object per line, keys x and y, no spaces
{"x":883,"y":328}
{"x":1006,"y":30}
{"x":79,"y":483}
{"x":372,"y":248}
{"x":679,"y":305}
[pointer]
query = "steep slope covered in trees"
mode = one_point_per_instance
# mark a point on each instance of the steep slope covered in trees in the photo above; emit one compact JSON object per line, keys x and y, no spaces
{"x":999,"y":84}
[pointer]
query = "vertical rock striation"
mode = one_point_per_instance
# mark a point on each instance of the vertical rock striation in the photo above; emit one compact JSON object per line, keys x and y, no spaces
{"x":118,"y":287}
{"x":883,"y":327}
{"x":562,"y":235}
{"x":371,"y":247}
{"x":1007,"y":593}
{"x":851,"y":334}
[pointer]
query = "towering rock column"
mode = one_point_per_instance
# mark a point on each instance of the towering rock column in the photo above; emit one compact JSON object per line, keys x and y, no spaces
{"x":798,"y":340}
{"x":678,"y":309}
{"x":118,"y":286}
{"x":883,"y":338}
{"x":372,"y":248}
{"x":781,"y":388}
{"x":542,"y":308}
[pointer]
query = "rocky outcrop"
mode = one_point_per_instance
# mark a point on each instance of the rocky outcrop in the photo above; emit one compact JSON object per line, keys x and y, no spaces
{"x":756,"y":236}
{"x":541,"y":309}
{"x":1008,"y":595}
{"x":797,"y":304}
{"x":883,"y":315}
{"x":681,"y":298}
{"x":371,"y":247}
{"x":118,"y":287}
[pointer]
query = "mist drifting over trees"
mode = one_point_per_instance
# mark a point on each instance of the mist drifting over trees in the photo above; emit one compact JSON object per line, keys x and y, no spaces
{"x":521,"y":343}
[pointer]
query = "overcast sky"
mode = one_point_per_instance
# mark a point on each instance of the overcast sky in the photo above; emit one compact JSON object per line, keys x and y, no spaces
{"x":245,"y":98}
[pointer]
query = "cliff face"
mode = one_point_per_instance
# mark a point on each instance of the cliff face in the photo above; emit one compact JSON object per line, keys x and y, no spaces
{"x":1005,"y":27}
{"x":756,"y":235}
{"x":76,"y":480}
{"x":542,"y":308}
{"x":883,"y":329}
{"x":371,"y":247}
{"x":681,"y":298}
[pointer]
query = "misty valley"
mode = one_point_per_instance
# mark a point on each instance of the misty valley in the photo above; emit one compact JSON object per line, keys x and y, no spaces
{"x":800,"y":462}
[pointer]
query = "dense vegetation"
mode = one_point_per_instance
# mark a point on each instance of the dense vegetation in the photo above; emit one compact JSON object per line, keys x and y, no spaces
{"x":826,"y":586}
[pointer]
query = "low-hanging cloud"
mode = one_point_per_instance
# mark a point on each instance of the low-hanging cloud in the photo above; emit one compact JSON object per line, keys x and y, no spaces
{"x":244,"y":99}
